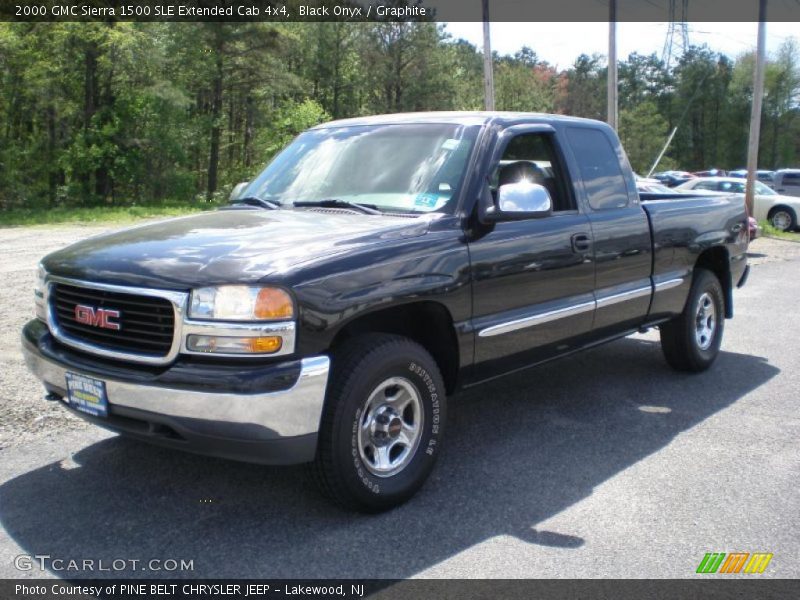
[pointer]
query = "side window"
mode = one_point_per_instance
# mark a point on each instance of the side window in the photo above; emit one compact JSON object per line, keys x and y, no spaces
{"x":791,"y":179}
{"x":706,"y":185}
{"x":532,"y":156}
{"x":600,"y":169}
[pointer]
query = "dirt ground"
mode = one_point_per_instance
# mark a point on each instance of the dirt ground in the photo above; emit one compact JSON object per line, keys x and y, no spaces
{"x":24,"y":413}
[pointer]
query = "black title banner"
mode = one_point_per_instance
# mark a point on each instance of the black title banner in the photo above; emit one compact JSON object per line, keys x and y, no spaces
{"x":389,"y":10}
{"x":444,"y":589}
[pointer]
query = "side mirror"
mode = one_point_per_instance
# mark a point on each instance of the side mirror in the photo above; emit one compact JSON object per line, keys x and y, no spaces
{"x":237,"y":190}
{"x":518,"y":201}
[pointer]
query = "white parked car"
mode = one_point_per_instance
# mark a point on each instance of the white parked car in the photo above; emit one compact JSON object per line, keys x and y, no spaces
{"x":781,"y":211}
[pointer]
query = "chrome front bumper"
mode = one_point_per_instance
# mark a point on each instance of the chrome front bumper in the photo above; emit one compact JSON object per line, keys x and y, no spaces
{"x":198,"y":415}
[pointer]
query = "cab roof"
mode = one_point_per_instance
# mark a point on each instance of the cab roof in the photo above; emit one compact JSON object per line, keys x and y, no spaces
{"x":458,"y":118}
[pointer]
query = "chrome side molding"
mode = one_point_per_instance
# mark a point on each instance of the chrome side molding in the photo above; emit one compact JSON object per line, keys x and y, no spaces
{"x":669,"y":284}
{"x":576,"y":309}
{"x":537,"y":319}
{"x":623,"y":296}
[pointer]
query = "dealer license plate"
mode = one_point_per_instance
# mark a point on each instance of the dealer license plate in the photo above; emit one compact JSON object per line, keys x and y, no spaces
{"x":87,"y":394}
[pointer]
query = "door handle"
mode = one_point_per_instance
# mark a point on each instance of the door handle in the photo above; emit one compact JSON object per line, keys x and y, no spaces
{"x":581,"y":242}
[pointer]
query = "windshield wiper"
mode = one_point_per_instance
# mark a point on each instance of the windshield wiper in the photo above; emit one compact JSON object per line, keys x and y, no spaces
{"x":256,"y":201}
{"x":368,"y":209}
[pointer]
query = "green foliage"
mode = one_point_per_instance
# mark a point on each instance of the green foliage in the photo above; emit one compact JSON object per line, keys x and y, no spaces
{"x":586,"y":88}
{"x":105,"y":115}
{"x":523,"y":83}
{"x":288,"y":121}
{"x":642,"y":131}
{"x":767,"y":230}
{"x":115,"y":214}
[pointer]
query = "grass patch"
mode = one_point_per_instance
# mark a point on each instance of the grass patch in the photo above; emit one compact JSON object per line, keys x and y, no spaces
{"x":97,"y":215}
{"x":769,"y":231}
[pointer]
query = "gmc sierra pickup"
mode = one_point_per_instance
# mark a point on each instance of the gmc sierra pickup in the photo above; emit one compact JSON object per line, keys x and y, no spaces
{"x":375,"y":267}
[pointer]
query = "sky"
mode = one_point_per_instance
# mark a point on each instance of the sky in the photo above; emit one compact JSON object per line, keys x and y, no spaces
{"x":561,"y":43}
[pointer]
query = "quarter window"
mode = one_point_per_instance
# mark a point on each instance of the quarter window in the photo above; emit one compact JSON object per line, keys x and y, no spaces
{"x":706,"y":185}
{"x":600,"y":168}
{"x":730,"y":186}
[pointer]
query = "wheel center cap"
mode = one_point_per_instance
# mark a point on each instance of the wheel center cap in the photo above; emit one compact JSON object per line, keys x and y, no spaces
{"x":386,"y":426}
{"x":395,"y":426}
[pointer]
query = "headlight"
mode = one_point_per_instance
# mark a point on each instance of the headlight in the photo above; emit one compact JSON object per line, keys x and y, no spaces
{"x":40,"y":306}
{"x":241,"y":303}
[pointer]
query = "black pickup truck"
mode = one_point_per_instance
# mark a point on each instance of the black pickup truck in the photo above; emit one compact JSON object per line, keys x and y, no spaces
{"x":375,"y":267}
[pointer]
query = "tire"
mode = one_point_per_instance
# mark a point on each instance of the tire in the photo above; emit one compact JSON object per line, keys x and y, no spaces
{"x":691,"y":341}
{"x":383,"y":423}
{"x":783,"y":218}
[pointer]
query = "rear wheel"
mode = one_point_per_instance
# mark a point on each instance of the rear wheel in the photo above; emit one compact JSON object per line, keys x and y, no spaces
{"x":783,"y":218}
{"x":691,"y":341}
{"x":382,"y":428}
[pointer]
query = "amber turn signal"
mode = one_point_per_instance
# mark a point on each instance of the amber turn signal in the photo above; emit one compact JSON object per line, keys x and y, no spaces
{"x":234,"y":345}
{"x":273,"y":303}
{"x":265,"y":345}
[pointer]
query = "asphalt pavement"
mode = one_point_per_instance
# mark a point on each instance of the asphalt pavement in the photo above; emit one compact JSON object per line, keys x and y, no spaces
{"x":605,"y":464}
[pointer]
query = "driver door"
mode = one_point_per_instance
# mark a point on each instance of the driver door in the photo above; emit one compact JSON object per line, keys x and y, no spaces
{"x":532,"y":280}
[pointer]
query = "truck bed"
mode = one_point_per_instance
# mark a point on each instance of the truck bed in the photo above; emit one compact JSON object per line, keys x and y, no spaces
{"x":684,"y":226}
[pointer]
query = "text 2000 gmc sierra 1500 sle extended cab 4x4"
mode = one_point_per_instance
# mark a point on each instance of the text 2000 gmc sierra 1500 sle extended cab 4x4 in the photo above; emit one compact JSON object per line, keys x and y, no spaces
{"x":373,"y":268}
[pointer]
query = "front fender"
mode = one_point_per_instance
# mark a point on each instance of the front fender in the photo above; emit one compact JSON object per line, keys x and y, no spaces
{"x":434,"y":267}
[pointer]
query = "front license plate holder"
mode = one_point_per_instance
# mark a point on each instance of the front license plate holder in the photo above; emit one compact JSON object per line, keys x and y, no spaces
{"x":87,"y":394}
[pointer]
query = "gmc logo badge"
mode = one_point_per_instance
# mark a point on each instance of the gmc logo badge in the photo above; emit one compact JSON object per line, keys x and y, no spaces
{"x":97,"y":317}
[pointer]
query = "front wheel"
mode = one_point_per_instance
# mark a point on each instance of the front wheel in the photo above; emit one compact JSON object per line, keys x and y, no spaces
{"x":691,"y":341}
{"x":383,"y":423}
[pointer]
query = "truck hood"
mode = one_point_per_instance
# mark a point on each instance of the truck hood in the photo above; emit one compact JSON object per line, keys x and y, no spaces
{"x":226,"y":246}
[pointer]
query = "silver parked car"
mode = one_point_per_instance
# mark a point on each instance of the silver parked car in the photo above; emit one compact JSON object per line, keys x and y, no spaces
{"x":787,"y":182}
{"x":763,"y":175}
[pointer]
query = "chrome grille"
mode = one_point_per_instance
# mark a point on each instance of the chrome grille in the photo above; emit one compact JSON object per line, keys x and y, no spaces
{"x":147,"y":323}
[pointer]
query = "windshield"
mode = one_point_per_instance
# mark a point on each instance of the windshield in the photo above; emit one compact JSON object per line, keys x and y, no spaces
{"x":764,"y":190}
{"x":402,"y":167}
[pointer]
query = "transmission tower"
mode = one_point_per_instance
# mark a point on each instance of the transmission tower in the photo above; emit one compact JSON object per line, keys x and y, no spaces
{"x":677,"y":42}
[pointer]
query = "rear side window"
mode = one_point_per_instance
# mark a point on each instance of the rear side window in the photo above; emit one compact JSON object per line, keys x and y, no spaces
{"x":706,"y":185}
{"x":731,"y":186}
{"x":792,"y":179}
{"x":599,"y":167}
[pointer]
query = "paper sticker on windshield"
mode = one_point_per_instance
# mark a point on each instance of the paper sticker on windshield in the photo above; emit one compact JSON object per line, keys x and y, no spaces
{"x":426,"y":200}
{"x":450,"y":144}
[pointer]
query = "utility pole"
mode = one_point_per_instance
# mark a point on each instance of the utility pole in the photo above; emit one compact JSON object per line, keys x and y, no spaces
{"x":488,"y":68}
{"x":755,"y":110}
{"x":612,"y":64}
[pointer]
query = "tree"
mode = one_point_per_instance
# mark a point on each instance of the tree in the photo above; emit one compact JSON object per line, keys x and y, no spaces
{"x":119,"y":113}
{"x":586,"y":88}
{"x":781,"y":103}
{"x":643,"y":132}
{"x":523,"y":83}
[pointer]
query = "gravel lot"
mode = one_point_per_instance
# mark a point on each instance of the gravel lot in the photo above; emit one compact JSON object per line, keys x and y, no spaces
{"x":629,"y":470}
{"x":25,"y":417}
